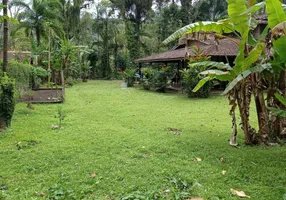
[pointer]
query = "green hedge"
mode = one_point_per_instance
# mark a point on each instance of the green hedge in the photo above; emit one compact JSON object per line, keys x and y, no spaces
{"x":7,"y":101}
{"x":21,"y":72}
{"x":26,"y":76}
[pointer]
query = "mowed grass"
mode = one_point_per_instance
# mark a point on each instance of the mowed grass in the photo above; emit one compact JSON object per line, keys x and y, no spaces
{"x":116,"y":142}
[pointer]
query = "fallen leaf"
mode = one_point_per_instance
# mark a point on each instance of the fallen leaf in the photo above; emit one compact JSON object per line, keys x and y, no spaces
{"x":195,"y":198}
{"x":221,"y":159}
{"x":40,"y":194}
{"x":167,"y":191}
{"x":223,"y":172}
{"x":239,"y":193}
{"x":198,"y":159}
{"x":93,"y":175}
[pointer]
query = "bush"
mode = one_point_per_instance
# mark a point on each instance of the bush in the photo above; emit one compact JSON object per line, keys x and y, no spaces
{"x":146,"y":85}
{"x":7,"y":101}
{"x":26,"y":76}
{"x":129,"y":76}
{"x":37,"y":74}
{"x":21,"y":72}
{"x":69,"y":82}
{"x":191,"y":78}
{"x":159,"y":80}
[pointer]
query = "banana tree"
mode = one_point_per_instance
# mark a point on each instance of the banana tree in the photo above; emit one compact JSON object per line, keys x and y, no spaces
{"x":277,"y":111}
{"x":246,"y":77}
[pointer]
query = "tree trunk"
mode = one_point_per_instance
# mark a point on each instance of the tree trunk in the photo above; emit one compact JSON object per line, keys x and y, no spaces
{"x":280,"y":123}
{"x":5,"y":37}
{"x":243,"y":101}
{"x":63,"y":84}
{"x":49,"y":63}
{"x":38,"y":37}
{"x":261,"y":109}
{"x":232,"y":102}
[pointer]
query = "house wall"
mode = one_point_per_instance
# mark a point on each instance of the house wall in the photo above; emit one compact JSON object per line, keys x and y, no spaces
{"x":17,"y":55}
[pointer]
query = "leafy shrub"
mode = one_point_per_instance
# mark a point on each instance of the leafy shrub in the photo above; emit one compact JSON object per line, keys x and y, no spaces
{"x":37,"y":74}
{"x":147,"y":72}
{"x":7,"y":100}
{"x":159,"y":80}
{"x":146,"y":85}
{"x":69,"y":82}
{"x":191,"y":76}
{"x":129,"y":76}
{"x":20,"y":72}
{"x":60,"y":115}
{"x":26,"y":75}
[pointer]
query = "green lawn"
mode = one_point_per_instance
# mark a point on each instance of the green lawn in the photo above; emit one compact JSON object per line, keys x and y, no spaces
{"x":116,"y":143}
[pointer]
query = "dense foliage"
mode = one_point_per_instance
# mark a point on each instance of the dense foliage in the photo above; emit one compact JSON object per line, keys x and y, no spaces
{"x":7,"y":100}
{"x":117,"y":31}
{"x":259,"y":68}
{"x":129,"y":77}
{"x":26,"y":75}
{"x":191,"y":76}
{"x":159,"y":79}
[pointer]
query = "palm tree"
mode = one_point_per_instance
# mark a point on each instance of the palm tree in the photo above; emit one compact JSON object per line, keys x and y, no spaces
{"x":36,"y":16}
{"x":71,"y":11}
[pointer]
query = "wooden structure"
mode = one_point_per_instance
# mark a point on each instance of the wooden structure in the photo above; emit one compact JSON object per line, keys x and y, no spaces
{"x":44,"y":95}
{"x":224,"y":50}
{"x":17,"y":55}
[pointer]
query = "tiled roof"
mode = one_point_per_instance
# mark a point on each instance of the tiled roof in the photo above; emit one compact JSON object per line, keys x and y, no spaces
{"x":171,"y":55}
{"x":224,"y":47}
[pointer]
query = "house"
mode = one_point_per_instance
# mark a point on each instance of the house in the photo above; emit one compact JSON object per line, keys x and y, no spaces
{"x":223,"y":50}
{"x":220,"y":50}
{"x":17,"y":55}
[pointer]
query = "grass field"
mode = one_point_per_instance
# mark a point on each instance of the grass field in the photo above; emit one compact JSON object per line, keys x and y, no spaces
{"x":116,"y":144}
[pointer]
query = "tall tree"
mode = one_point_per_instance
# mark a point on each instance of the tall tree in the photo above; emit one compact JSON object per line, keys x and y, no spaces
{"x":71,"y":13}
{"x":5,"y":36}
{"x":186,"y":11}
{"x":105,"y":44}
{"x":212,"y":10}
{"x":134,"y":13}
{"x":35,"y":17}
{"x":168,"y":20}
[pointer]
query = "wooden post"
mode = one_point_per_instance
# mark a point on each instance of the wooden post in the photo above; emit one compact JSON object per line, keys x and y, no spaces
{"x":63,"y":84}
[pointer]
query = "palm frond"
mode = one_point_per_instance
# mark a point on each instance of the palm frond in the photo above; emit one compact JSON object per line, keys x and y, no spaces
{"x":220,"y":27}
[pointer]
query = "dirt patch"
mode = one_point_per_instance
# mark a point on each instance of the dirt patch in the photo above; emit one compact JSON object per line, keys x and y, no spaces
{"x":43,"y":95}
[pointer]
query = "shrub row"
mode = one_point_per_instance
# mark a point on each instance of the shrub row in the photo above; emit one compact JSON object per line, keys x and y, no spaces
{"x":7,"y":101}
{"x":26,"y":76}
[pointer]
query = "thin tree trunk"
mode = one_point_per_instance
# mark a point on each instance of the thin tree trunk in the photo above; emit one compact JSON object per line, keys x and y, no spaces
{"x":5,"y":37}
{"x":49,"y":63}
{"x":261,"y":109}
{"x":232,"y":101}
{"x":243,"y":102}
{"x":63,"y":84}
{"x":38,"y":37}
{"x":280,"y":123}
